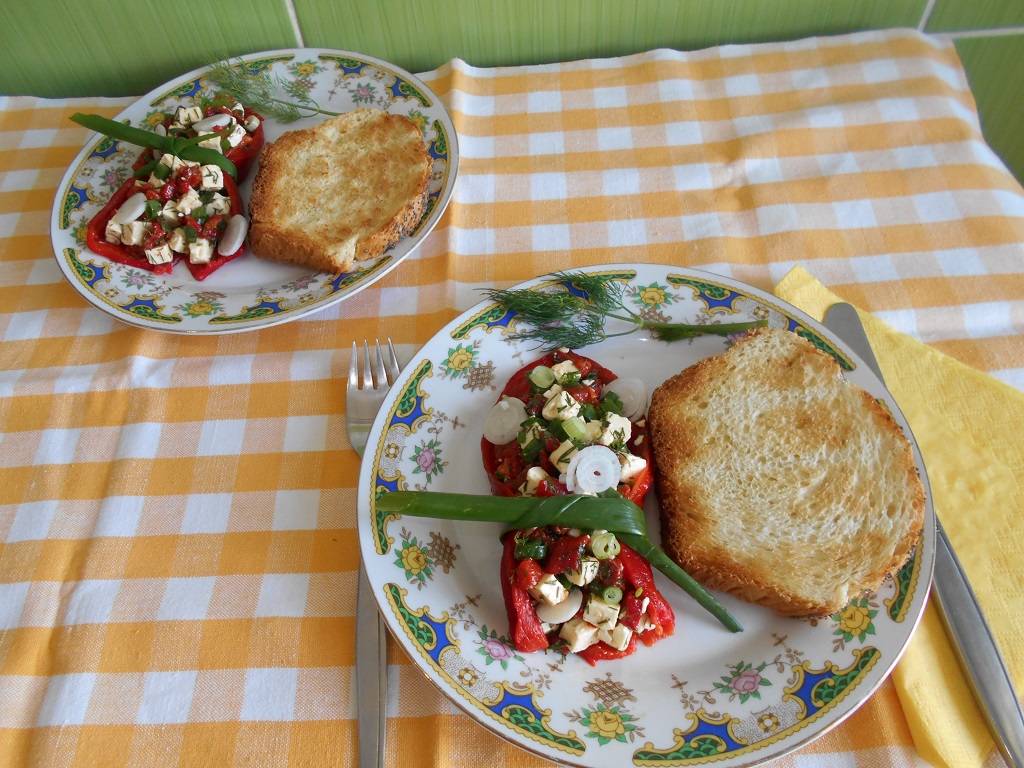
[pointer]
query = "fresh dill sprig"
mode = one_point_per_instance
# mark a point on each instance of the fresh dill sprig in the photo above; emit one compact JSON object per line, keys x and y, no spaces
{"x":258,"y":91}
{"x":564,"y":318}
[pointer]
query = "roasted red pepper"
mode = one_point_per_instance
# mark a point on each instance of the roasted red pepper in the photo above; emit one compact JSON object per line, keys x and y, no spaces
{"x":525,"y":628}
{"x":134,"y":256}
{"x":637,"y":571}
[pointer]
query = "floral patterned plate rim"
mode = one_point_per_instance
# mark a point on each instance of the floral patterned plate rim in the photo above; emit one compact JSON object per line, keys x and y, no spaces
{"x":250,"y":293}
{"x":702,"y":696}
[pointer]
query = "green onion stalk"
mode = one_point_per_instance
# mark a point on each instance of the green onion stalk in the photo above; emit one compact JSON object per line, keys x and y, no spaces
{"x":616,"y":514}
{"x":185,"y":148}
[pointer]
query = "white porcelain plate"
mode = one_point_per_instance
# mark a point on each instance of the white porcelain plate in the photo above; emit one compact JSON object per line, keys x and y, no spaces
{"x":249,"y":292}
{"x":702,"y":696}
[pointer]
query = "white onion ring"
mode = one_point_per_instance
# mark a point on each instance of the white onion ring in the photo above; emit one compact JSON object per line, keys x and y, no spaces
{"x":234,"y":235}
{"x":563,"y":611}
{"x":504,"y":420}
{"x":592,"y":470}
{"x":633,"y":394}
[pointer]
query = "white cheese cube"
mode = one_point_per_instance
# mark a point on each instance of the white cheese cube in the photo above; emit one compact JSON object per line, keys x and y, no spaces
{"x":617,"y":429}
{"x":587,"y":572}
{"x":236,"y":134}
{"x":212,"y":177}
{"x":534,"y":477}
{"x":211,"y":143}
{"x":563,"y":369}
{"x":593,"y":431}
{"x":188,"y":115}
{"x":618,"y":637}
{"x":578,"y":634}
{"x":155,"y":181}
{"x":171,"y":161}
{"x":561,"y":405}
{"x":113,"y":233}
{"x":529,"y":434}
{"x":219,"y":204}
{"x":169,"y":214}
{"x":548,"y":590}
{"x":200,"y":252}
{"x":178,"y":241}
{"x":160,"y":255}
{"x":562,"y":455}
{"x":631,"y":466}
{"x":188,"y":202}
{"x":601,"y":614}
{"x":134,"y":233}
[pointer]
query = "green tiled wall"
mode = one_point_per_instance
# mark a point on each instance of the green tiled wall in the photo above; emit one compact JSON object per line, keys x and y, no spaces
{"x":60,"y":48}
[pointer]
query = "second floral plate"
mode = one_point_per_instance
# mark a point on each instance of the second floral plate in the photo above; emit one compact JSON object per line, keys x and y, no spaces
{"x":249,"y":293}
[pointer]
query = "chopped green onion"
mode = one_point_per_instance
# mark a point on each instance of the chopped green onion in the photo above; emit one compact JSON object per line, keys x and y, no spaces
{"x":574,"y":428}
{"x":542,"y":377}
{"x":570,"y":379}
{"x":190,"y":234}
{"x":153,"y":208}
{"x":557,"y":430}
{"x":612,"y":403}
{"x":534,"y":549}
{"x":605,"y":546}
{"x":532,"y":450}
{"x":614,"y":514}
{"x":611,"y":595}
{"x":161,"y":171}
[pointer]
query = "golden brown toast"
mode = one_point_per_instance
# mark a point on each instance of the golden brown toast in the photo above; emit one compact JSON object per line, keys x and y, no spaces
{"x":346,"y":189}
{"x":779,"y":481}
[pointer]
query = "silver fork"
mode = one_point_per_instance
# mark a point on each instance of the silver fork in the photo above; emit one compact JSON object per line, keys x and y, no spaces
{"x":363,"y":397}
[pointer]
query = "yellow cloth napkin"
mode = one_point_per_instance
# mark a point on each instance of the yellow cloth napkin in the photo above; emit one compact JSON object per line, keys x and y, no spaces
{"x":970,"y":428}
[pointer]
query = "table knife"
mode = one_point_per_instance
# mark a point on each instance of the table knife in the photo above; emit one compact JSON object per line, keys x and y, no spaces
{"x":371,"y":676}
{"x":973,"y":642}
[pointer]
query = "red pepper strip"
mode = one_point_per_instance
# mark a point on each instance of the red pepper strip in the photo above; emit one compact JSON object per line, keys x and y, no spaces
{"x":96,"y":235}
{"x":603,"y":651}
{"x":524,"y":626}
{"x":203,"y":271}
{"x":637,"y":571}
{"x":565,"y":554}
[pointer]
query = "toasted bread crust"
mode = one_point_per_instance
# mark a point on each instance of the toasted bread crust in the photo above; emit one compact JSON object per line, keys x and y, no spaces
{"x":779,"y":481}
{"x":346,"y":189}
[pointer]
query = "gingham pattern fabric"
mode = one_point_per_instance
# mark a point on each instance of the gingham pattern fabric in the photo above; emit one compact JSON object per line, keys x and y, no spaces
{"x":178,"y":550}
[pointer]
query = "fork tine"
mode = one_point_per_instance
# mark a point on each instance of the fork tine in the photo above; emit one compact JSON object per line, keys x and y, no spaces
{"x":367,"y":375}
{"x":393,"y":367}
{"x":383,"y":380}
{"x":353,"y":368}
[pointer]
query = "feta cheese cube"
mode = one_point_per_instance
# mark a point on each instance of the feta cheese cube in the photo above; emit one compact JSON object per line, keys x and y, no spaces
{"x":618,"y":637}
{"x":601,"y":614}
{"x":211,"y":143}
{"x":548,"y":590}
{"x":561,"y":405}
{"x":617,"y":429}
{"x":188,"y":115}
{"x":562,"y":455}
{"x":200,"y":252}
{"x":134,"y":233}
{"x":178,"y":241}
{"x":578,"y":634}
{"x":188,"y":202}
{"x":159,"y":255}
{"x":212,"y":177}
{"x":155,"y":181}
{"x":563,"y":369}
{"x":169,"y":214}
{"x":113,"y":233}
{"x":528,"y":435}
{"x":534,"y":477}
{"x":586,"y":573}
{"x":631,"y":466}
{"x":236,"y":134}
{"x":171,"y":161}
{"x":219,"y":204}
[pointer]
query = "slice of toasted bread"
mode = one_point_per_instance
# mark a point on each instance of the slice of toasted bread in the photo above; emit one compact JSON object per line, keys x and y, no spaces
{"x":779,"y":481}
{"x":348,"y":188}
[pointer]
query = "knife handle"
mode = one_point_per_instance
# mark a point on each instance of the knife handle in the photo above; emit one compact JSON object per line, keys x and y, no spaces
{"x":978,"y":653}
{"x":371,"y":676}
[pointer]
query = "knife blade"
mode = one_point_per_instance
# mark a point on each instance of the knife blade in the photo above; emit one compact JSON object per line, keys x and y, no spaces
{"x":973,"y":642}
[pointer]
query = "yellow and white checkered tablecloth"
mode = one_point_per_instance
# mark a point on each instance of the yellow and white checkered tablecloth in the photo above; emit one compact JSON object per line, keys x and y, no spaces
{"x":178,"y":550}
